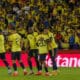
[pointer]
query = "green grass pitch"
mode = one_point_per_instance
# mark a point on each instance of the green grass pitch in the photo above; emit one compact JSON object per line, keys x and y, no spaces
{"x":64,"y":74}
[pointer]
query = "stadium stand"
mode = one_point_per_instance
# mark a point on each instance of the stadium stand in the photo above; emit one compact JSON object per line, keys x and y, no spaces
{"x":61,"y":16}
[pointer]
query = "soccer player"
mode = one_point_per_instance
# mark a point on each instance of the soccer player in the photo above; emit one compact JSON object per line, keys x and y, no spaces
{"x":32,"y":48}
{"x":53,"y":48}
{"x":42,"y":44}
{"x":2,"y":51}
{"x":15,"y":43}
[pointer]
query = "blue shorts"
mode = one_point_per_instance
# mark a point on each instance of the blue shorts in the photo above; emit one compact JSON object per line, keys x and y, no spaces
{"x":42,"y":57}
{"x":2,"y":56}
{"x":33,"y":53}
{"x":16,"y":55}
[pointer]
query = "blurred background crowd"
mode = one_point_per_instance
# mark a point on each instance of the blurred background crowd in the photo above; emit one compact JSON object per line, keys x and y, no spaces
{"x":62,"y":17}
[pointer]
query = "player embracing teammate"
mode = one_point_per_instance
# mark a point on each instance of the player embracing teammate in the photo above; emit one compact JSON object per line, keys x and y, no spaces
{"x":32,"y":49}
{"x":39,"y":46}
{"x":52,"y":48}
{"x":47,"y":44}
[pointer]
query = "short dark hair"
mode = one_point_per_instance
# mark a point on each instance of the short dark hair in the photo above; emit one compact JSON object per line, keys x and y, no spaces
{"x":41,"y":29}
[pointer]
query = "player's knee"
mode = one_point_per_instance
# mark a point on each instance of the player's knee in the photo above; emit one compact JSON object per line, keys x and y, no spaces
{"x":13,"y":61}
{"x":4,"y":59}
{"x":29,"y":58}
{"x":42,"y":62}
{"x":20,"y":61}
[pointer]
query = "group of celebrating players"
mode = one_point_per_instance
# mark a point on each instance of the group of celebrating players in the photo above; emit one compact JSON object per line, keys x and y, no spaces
{"x":39,"y":44}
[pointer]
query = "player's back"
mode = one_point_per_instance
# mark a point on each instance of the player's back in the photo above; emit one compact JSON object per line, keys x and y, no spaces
{"x":32,"y":41}
{"x":16,"y":42}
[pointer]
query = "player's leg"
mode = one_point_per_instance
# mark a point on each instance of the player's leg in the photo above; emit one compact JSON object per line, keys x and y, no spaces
{"x":54,"y":61}
{"x":45,"y":66}
{"x":46,"y":69}
{"x":40,"y":66}
{"x":36,"y":59}
{"x":55,"y":72}
{"x":42,"y":62}
{"x":30,"y":54}
{"x":53,"y":56}
{"x":21,"y":63}
{"x":14,"y":64}
{"x":5,"y":62}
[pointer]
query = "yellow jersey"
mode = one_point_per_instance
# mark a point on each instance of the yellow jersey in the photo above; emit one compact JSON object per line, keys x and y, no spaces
{"x":16,"y":42}
{"x":42,"y":43}
{"x":2,"y":47}
{"x":53,"y":44}
{"x":35,"y":34}
{"x":32,"y":40}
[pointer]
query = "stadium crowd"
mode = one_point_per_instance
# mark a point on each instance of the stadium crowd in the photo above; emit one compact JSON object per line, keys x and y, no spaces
{"x":62,"y":17}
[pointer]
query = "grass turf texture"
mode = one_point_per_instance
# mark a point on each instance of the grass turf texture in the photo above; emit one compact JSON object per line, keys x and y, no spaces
{"x":64,"y":74}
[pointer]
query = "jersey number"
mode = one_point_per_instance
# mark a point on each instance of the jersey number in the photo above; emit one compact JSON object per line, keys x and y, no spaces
{"x":41,"y":43}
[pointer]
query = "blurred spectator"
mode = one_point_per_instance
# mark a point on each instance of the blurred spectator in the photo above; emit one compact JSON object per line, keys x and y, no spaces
{"x":61,"y":16}
{"x":58,"y":38}
{"x":72,"y":41}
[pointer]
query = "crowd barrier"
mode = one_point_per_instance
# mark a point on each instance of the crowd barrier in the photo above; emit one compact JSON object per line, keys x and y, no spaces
{"x":65,"y":58}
